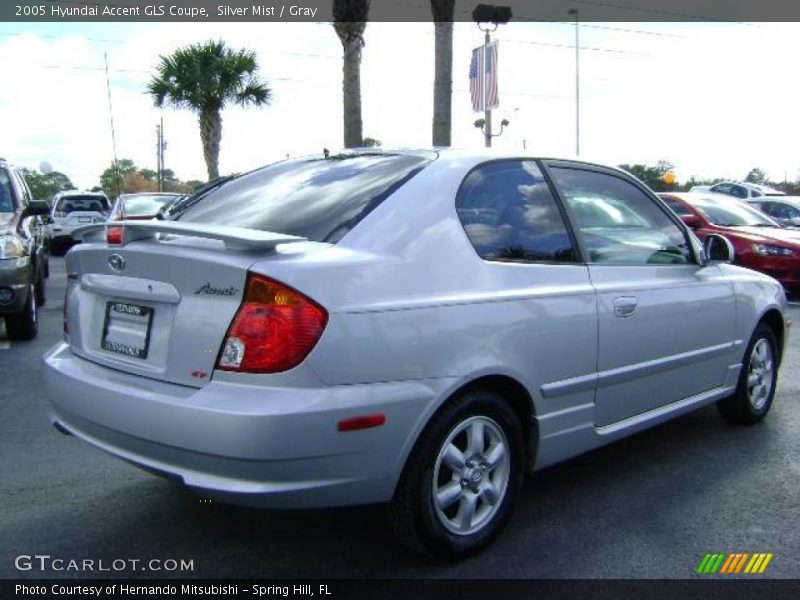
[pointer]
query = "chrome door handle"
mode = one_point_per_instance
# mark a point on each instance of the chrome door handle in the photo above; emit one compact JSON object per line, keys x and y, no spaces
{"x":625,"y":306}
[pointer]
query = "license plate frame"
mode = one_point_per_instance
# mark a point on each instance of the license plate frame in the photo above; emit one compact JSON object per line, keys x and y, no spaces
{"x":129,"y":311}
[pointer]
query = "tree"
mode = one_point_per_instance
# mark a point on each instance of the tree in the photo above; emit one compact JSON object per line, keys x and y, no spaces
{"x":149,"y":175}
{"x":443,"y":70}
{"x":112,"y":179}
{"x":653,"y":177}
{"x":371,"y":143}
{"x":756,"y":176}
{"x":127,"y":178}
{"x":350,"y":21}
{"x":205,"y":78}
{"x":45,"y":185}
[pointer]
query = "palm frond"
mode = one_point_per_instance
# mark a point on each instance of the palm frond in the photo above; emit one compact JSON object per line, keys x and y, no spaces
{"x":206,"y":76}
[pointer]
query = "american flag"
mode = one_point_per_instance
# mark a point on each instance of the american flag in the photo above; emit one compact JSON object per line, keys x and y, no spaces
{"x":476,"y":70}
{"x":492,"y":99}
{"x":483,"y":79}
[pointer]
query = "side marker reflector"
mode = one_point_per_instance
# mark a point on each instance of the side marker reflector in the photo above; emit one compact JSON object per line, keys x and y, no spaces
{"x":361,"y":422}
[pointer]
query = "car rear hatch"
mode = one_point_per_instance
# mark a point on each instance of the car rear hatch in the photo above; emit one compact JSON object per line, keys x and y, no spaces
{"x":159,"y":304}
{"x":80,"y":218}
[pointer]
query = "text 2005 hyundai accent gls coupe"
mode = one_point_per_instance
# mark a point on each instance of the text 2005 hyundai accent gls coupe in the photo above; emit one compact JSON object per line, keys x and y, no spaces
{"x":414,"y":327}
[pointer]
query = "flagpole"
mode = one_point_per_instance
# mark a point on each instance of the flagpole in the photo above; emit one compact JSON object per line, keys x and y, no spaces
{"x":487,"y":113}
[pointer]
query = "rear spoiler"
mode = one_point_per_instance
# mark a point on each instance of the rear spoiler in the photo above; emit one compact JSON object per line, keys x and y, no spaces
{"x":234,"y":238}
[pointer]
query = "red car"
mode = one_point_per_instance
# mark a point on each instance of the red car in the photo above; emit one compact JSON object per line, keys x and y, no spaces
{"x":760,"y":243}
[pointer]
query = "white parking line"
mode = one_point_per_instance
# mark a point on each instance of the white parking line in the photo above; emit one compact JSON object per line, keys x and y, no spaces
{"x":793,"y":303}
{"x":5,"y":345}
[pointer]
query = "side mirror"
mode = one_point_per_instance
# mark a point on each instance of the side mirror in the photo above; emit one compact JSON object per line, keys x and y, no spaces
{"x":691,"y":221}
{"x":37,"y":207}
{"x":718,"y":249}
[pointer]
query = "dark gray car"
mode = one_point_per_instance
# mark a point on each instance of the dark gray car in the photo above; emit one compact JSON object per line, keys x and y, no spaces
{"x":23,"y":254}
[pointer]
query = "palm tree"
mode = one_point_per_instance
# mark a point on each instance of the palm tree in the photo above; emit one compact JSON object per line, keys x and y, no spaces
{"x":443,"y":64}
{"x":350,"y":21}
{"x":204,"y":78}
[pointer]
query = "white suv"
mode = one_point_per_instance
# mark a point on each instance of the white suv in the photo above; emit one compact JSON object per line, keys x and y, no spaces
{"x":71,"y":210}
{"x":739,"y":189}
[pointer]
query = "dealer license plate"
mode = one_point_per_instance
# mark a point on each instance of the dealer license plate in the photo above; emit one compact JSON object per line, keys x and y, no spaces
{"x":127,"y":329}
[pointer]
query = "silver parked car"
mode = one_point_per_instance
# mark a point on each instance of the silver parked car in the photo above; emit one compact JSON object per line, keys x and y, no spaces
{"x":785,"y":211}
{"x":414,"y":327}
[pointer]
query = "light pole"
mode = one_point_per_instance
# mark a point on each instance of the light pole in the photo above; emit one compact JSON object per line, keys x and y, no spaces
{"x":495,"y":15}
{"x":574,"y":11}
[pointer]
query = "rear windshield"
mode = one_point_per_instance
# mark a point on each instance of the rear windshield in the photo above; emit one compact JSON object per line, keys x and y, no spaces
{"x":320,"y":199}
{"x":135,"y":206}
{"x":83,"y":204}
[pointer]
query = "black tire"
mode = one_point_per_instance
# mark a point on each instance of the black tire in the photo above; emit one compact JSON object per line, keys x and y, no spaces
{"x":757,"y":380}
{"x":47,"y":267}
{"x":41,"y":294}
{"x":419,"y":521}
{"x":58,"y":248}
{"x":23,"y":326}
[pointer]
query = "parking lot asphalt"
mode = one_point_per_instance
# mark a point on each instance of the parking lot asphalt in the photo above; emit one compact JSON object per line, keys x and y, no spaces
{"x":649,"y":506}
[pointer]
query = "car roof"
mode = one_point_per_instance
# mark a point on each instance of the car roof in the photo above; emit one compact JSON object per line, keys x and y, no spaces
{"x":67,"y":193}
{"x":480,"y":154}
{"x":135,"y":194}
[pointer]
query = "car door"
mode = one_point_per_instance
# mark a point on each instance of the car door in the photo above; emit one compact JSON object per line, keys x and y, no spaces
{"x":516,"y":225}
{"x":665,"y":322}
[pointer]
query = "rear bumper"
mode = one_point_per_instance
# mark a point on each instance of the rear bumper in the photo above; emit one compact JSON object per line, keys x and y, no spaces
{"x":254,"y":445}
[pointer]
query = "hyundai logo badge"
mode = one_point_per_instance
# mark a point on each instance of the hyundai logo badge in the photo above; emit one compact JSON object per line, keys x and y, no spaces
{"x":116,"y":262}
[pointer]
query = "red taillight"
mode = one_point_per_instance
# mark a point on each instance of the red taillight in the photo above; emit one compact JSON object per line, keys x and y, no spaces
{"x":274,"y":330}
{"x":115,"y":235}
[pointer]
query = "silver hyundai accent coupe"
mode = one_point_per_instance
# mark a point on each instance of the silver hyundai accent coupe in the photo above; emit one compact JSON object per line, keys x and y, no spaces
{"x":413,"y":327}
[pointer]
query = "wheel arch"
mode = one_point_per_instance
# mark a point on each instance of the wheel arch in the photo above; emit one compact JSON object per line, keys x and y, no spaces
{"x":506,"y":386}
{"x":774,"y":320}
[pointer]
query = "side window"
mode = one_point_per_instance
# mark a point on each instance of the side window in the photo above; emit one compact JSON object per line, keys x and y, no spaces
{"x":723,"y":188}
{"x":24,"y":192}
{"x":6,"y":200}
{"x":620,"y":224}
{"x":509,"y":213}
{"x":780,"y":211}
{"x":739,"y":191}
{"x":770,"y":208}
{"x":755,"y":193}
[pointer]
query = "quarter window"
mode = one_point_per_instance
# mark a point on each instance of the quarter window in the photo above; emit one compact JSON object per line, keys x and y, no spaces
{"x":6,"y":201}
{"x":509,"y":213}
{"x":620,"y":224}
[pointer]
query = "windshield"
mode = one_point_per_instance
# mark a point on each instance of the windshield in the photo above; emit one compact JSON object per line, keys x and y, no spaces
{"x":6,"y":201}
{"x":136,"y":206}
{"x":732,"y":214}
{"x":320,"y":199}
{"x":86,"y":203}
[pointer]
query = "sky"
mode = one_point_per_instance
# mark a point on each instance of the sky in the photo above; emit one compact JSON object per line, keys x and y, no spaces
{"x":715,"y":99}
